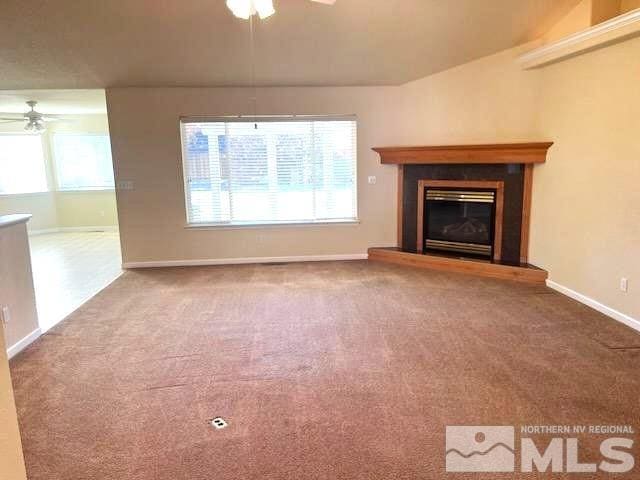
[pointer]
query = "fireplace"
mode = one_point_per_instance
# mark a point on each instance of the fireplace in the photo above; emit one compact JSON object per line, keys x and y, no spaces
{"x":470,"y":211}
{"x":460,"y":217}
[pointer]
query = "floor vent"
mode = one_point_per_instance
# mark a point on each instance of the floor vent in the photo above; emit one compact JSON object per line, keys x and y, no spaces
{"x":219,"y":423}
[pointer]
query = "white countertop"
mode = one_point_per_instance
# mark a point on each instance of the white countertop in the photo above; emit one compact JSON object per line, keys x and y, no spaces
{"x":8,"y":220}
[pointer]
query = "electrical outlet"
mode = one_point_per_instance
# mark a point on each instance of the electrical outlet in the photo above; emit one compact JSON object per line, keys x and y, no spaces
{"x":5,"y":314}
{"x":624,"y":284}
{"x":125,"y":185}
{"x":372,"y":180}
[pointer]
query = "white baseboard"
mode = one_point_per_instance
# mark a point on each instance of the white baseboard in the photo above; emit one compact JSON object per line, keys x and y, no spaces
{"x":245,"y":260}
{"x":600,"y":307}
{"x":95,"y":228}
{"x":16,"y":348}
{"x":43,"y":231}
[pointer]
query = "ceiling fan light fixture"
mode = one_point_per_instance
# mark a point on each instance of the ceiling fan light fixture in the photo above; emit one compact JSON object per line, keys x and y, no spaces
{"x":240,"y":8}
{"x":264,"y":8}
{"x":245,"y":8}
{"x":34,"y":127}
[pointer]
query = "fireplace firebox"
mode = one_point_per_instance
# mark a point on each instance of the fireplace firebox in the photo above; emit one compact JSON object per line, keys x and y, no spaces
{"x":460,"y":217}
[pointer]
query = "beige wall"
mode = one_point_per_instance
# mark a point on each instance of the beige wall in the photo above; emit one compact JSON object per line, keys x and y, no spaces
{"x":146,"y":147}
{"x":628,"y":5}
{"x":586,"y":200}
{"x":579,"y":18}
{"x":16,"y":283}
{"x":11,"y":459}
{"x":603,"y":10}
{"x":489,"y":100}
{"x":54,"y":209}
{"x":86,"y":208}
{"x":501,"y":98}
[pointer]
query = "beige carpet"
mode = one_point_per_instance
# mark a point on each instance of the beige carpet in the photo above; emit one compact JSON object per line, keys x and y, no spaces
{"x":346,"y":370}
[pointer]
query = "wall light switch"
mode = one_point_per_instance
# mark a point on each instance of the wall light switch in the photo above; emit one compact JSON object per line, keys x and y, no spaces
{"x":624,"y":284}
{"x":5,"y":315}
{"x":372,"y":180}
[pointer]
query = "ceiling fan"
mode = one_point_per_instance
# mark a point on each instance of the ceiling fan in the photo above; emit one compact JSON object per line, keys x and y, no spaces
{"x":35,"y":120}
{"x":264,"y":8}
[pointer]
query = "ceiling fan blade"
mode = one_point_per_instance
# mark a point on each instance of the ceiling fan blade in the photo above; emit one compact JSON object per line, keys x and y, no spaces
{"x":326,"y":2}
{"x":7,"y":120}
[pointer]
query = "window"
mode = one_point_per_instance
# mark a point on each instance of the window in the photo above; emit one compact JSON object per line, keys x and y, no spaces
{"x":83,"y":161}
{"x":293,"y":170}
{"x":22,"y":168}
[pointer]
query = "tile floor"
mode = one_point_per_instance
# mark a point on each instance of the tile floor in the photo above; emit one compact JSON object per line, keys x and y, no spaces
{"x":69,"y":269}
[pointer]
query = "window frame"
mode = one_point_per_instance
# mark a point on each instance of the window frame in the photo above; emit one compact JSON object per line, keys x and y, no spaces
{"x":55,"y":162}
{"x":45,"y":167}
{"x":234,"y":225}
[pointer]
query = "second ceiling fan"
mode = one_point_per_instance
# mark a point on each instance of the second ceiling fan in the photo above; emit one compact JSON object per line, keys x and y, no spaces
{"x":264,"y":8}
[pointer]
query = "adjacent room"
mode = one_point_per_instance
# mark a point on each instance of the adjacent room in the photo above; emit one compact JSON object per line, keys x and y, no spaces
{"x":319,"y":239}
{"x":55,"y":159}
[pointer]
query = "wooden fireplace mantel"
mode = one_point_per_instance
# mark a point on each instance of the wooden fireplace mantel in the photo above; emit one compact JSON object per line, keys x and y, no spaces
{"x":526,"y":153}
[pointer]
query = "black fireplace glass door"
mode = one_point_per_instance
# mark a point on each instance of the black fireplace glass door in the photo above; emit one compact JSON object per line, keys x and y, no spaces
{"x":459,"y":221}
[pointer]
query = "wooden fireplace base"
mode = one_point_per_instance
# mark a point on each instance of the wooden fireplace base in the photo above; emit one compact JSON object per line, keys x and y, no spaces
{"x":524,"y":273}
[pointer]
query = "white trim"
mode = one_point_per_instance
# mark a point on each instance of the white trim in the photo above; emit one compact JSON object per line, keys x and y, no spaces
{"x":90,"y":228}
{"x":86,"y":190}
{"x":16,"y":348}
{"x":95,"y":228}
{"x":27,"y":194}
{"x":245,"y":260}
{"x":43,"y":231}
{"x":590,"y":302}
{"x":348,"y":117}
{"x":617,"y":28}
{"x":240,"y":226}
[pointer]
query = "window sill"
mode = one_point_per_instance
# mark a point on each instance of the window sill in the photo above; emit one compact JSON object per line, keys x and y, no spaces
{"x":242,"y":226}
{"x":26,"y":194}
{"x":86,"y":190}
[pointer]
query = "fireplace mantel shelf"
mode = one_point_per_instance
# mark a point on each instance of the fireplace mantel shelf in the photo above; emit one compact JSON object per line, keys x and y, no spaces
{"x":525,"y":153}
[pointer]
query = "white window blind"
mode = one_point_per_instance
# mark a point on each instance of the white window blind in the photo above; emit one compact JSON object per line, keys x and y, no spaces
{"x":83,"y":161}
{"x":270,"y":171}
{"x":22,"y":168}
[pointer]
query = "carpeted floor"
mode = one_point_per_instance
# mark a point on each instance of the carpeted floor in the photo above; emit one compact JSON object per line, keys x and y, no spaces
{"x":345,"y":370}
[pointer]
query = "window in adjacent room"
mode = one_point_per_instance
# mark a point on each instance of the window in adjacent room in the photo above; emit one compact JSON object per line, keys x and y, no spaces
{"x":22,"y":166}
{"x":83,"y":161}
{"x":270,"y":170}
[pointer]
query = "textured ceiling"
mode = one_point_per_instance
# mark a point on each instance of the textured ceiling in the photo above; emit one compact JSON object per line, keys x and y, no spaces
{"x":54,"y":101}
{"x":98,"y":43}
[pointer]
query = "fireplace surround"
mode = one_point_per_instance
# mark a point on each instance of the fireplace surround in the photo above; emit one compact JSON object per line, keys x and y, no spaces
{"x":465,"y":208}
{"x":507,"y":180}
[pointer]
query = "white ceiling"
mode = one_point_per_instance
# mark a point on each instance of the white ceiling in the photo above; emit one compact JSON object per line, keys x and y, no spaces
{"x":96,"y":44}
{"x":72,"y":102}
